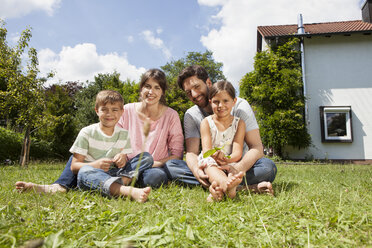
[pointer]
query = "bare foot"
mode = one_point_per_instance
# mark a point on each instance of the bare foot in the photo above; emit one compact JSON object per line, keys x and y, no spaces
{"x":261,"y":188}
{"x":265,"y":188}
{"x":25,"y":186}
{"x":140,"y":195}
{"x":232,"y":182}
{"x":126,"y":180}
{"x":216,"y":193}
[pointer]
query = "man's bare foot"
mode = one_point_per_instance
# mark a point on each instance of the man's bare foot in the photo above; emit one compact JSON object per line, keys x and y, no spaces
{"x":261,"y":188}
{"x":26,"y":186}
{"x":140,"y":195}
{"x":232,"y":182}
{"x":216,"y":193}
{"x":265,"y":188}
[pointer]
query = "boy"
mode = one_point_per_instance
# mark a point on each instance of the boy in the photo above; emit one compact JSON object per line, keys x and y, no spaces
{"x":103,"y":144}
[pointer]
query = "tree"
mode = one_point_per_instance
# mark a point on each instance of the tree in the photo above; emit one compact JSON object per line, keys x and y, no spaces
{"x":22,"y":90}
{"x":85,"y":99}
{"x":175,"y":96}
{"x":59,"y":124}
{"x":274,"y":88}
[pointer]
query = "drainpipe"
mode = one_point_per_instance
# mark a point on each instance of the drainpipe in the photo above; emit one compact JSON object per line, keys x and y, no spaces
{"x":301,"y":31}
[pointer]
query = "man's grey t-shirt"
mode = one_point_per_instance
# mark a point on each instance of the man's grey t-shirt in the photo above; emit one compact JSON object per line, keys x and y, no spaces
{"x":194,"y":116}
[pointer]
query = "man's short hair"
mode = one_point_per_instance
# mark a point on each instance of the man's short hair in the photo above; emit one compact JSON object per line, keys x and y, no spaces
{"x":108,"y":96}
{"x":193,"y":70}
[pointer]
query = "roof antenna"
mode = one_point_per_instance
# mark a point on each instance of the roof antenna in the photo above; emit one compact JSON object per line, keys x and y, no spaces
{"x":300,"y":25}
{"x":301,"y":31}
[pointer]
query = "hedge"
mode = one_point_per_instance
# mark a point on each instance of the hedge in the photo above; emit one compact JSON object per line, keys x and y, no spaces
{"x":11,"y":145}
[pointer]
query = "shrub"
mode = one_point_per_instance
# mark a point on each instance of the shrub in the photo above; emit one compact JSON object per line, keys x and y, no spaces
{"x":11,"y":145}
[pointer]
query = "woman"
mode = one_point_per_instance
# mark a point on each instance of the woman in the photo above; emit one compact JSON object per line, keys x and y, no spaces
{"x":165,"y":138}
{"x":164,"y":141}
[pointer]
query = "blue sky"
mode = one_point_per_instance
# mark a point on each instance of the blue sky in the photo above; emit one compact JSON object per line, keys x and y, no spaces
{"x":81,"y":38}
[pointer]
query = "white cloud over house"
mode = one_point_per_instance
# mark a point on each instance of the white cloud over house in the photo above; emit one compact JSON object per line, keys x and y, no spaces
{"x":234,"y":42}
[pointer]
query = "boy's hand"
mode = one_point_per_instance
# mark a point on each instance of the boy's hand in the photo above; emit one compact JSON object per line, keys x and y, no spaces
{"x":120,"y":160}
{"x":103,"y":163}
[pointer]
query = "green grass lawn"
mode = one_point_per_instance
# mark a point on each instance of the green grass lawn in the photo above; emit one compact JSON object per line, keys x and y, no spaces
{"x":314,"y":206}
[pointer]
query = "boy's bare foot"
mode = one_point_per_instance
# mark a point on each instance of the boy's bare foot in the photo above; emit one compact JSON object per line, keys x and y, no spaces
{"x":26,"y":186}
{"x":232,"y":182}
{"x":260,"y":188}
{"x":126,"y":180}
{"x":216,"y":193}
{"x":140,"y":195}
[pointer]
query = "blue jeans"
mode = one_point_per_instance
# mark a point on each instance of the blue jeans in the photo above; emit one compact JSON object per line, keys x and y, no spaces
{"x":153,"y":177}
{"x":263,"y":170}
{"x":90,"y":178}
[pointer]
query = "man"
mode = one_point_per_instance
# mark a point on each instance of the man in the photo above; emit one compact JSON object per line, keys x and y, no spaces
{"x":259,"y":172}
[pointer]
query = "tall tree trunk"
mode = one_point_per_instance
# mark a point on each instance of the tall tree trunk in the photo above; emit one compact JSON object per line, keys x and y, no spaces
{"x":25,"y":148}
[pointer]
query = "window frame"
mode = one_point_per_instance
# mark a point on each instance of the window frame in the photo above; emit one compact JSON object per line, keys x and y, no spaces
{"x":323,"y":110}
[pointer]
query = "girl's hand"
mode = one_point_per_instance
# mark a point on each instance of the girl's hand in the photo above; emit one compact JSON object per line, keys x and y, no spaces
{"x":120,"y":160}
{"x":220,"y":158}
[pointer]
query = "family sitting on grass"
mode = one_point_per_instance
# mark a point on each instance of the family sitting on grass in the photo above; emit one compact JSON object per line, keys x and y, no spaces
{"x":141,"y":143}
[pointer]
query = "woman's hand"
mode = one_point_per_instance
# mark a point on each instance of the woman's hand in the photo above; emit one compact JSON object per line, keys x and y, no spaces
{"x":158,"y":164}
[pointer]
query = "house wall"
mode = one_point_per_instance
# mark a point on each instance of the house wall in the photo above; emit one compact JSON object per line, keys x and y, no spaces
{"x":338,"y":72}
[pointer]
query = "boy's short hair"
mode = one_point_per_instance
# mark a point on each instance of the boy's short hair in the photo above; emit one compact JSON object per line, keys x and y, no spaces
{"x":108,"y":96}
{"x":193,"y":70}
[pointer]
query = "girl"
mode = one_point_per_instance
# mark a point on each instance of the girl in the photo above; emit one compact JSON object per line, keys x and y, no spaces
{"x":224,"y":133}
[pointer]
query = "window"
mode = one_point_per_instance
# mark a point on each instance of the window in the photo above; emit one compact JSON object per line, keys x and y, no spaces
{"x":335,"y":123}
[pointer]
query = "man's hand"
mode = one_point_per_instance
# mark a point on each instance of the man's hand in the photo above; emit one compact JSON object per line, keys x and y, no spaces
{"x":120,"y":160}
{"x":103,"y":163}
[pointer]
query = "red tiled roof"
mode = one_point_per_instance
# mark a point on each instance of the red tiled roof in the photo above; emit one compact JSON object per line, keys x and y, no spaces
{"x":325,"y":28}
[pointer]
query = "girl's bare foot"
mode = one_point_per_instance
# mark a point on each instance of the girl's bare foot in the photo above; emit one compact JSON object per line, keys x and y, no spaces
{"x":26,"y":186}
{"x":232,"y":182}
{"x":140,"y":195}
{"x":216,"y":193}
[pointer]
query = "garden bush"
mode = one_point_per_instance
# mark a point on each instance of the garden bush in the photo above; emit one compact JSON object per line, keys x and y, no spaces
{"x":11,"y":145}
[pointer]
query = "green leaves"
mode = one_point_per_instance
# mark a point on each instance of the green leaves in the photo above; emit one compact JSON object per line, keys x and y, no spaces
{"x":212,"y":151}
{"x":274,"y":89}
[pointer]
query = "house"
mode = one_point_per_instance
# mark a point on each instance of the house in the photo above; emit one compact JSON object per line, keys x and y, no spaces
{"x":337,"y":77}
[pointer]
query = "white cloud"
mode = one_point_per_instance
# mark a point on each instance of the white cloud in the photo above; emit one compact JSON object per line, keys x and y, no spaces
{"x":130,"y":39}
{"x":18,"y":8}
{"x":234,"y":43}
{"x":156,"y":43}
{"x":212,"y":3}
{"x":82,"y":63}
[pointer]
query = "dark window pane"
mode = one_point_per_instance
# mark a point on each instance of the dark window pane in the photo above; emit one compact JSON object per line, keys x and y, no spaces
{"x":336,"y":124}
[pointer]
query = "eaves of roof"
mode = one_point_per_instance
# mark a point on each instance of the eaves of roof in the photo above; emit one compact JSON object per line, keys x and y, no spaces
{"x":315,"y":29}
